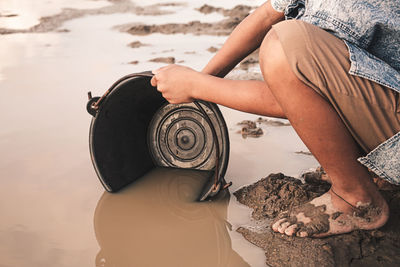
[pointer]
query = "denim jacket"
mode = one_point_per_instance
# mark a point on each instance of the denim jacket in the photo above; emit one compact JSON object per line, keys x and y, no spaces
{"x":371,"y":31}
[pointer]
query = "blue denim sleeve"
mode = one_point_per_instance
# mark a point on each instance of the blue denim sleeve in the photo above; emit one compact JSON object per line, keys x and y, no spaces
{"x":280,"y":5}
{"x":384,"y":160}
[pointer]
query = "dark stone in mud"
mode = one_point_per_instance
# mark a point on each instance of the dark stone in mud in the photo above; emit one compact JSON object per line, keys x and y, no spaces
{"x":277,"y":193}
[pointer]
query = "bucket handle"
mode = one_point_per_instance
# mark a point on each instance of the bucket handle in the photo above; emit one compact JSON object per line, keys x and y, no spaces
{"x":94,"y":105}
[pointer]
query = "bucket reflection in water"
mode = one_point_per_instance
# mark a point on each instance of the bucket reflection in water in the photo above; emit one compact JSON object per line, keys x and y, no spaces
{"x":156,"y":221}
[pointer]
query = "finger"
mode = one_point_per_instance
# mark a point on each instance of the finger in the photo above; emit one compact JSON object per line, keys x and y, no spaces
{"x":159,"y":88}
{"x":154,"y":81}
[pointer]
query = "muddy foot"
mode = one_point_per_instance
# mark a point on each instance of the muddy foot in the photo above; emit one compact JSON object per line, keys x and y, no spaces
{"x":329,"y":215}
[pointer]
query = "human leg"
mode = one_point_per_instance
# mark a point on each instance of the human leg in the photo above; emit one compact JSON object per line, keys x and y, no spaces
{"x":323,"y":131}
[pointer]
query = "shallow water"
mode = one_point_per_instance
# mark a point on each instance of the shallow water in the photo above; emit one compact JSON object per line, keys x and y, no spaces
{"x":55,"y":212}
{"x":156,"y":222}
{"x":21,"y":14}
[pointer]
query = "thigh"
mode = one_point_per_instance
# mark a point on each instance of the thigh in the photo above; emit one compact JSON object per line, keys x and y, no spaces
{"x":370,"y":111}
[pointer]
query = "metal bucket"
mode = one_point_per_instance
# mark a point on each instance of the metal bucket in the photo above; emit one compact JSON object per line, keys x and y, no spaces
{"x":134,"y":129}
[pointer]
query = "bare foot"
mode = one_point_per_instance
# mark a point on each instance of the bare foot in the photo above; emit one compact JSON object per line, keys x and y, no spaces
{"x":329,"y":215}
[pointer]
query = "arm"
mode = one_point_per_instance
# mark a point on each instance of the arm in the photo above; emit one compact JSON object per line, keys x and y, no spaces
{"x":180,"y":84}
{"x":244,"y":39}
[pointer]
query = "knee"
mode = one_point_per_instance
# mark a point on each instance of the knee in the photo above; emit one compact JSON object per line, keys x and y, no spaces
{"x":273,"y":61}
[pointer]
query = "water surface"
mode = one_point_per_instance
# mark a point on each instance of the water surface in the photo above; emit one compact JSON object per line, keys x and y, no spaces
{"x":53,"y":208}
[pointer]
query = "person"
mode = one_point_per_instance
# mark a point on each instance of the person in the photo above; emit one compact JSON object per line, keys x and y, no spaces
{"x":332,"y":69}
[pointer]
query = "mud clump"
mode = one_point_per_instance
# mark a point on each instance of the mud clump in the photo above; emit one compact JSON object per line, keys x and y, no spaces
{"x":207,"y":9}
{"x":250,"y":129}
{"x":270,"y":122}
{"x":278,"y":192}
{"x":212,"y":49}
{"x":166,"y":60}
{"x":223,"y":27}
{"x":8,"y":15}
{"x":194,"y":27}
{"x":239,"y":11}
{"x":53,"y":22}
{"x":136,"y":44}
{"x":301,"y":152}
{"x":250,"y":61}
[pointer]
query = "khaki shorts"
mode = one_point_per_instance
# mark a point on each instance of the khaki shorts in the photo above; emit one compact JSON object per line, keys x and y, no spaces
{"x":371,"y":112}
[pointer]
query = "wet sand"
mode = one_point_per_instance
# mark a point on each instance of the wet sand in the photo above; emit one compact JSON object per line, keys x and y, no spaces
{"x":54,"y":210}
{"x":277,"y":193}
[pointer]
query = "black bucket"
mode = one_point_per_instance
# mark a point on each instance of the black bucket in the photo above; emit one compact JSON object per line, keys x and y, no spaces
{"x":134,"y":129}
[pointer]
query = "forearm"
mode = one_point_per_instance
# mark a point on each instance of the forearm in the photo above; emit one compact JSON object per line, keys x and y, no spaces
{"x":248,"y":96}
{"x":244,"y":39}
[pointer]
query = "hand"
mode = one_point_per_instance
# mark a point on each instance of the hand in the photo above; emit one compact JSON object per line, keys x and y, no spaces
{"x":176,"y":83}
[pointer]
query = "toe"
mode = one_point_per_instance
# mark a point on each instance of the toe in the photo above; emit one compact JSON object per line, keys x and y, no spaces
{"x":277,"y":224}
{"x":283,"y":227}
{"x":302,"y":234}
{"x":291,"y":230}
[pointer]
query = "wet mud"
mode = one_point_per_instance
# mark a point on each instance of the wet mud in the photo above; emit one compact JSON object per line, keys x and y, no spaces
{"x":212,"y":49}
{"x":307,"y":153}
{"x":136,"y":44}
{"x":271,"y":122}
{"x":8,"y":15}
{"x":166,"y":60}
{"x":220,"y":28}
{"x":54,"y":22}
{"x":277,"y":193}
{"x":250,"y":61}
{"x":223,"y":27}
{"x":250,"y":129}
